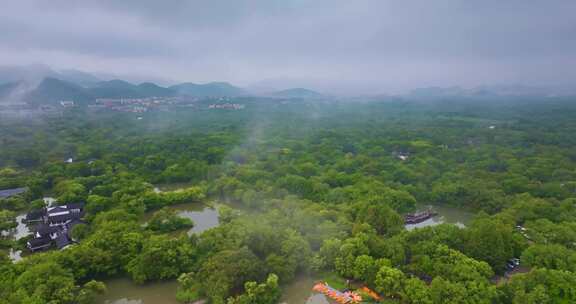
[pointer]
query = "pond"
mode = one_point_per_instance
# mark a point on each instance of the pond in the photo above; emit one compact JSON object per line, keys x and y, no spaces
{"x":203,"y":216}
{"x":450,"y":215}
{"x":124,"y":291}
{"x":172,"y":187}
{"x":300,"y":292}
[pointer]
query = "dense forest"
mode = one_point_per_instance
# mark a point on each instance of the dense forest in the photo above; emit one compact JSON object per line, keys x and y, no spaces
{"x":302,"y":188}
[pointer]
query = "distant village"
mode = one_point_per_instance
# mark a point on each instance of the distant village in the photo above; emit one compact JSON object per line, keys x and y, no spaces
{"x":128,"y":105}
{"x":141,"y":105}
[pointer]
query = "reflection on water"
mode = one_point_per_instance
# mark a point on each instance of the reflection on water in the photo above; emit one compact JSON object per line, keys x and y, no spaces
{"x":300,"y":292}
{"x":446,"y":214}
{"x":171,"y":187}
{"x":204,"y":217}
{"x":124,"y":291}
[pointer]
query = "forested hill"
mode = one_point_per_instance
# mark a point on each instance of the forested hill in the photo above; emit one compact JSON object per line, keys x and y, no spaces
{"x":302,"y":189}
{"x":53,"y":90}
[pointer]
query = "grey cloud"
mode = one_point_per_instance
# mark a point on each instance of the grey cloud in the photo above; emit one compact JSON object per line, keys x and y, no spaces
{"x":334,"y":44}
{"x":184,"y":14}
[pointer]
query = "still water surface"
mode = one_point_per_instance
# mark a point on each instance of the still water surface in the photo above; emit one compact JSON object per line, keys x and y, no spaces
{"x":124,"y":291}
{"x":446,"y":214}
{"x":203,"y":216}
{"x":300,"y":292}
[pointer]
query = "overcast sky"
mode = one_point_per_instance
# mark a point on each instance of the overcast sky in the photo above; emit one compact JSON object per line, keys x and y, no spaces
{"x":332,"y":45}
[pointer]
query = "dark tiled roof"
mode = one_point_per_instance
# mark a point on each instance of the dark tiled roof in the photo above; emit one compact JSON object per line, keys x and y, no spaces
{"x":39,"y":242}
{"x":63,"y":217}
{"x":34,"y":214}
{"x":57,"y":209}
{"x":62,"y":240}
{"x":44,"y":229}
{"x":75,"y":206}
{"x":11,"y":192}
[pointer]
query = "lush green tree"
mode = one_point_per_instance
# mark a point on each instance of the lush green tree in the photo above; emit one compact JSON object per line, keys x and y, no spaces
{"x":491,"y":241}
{"x":551,"y":256}
{"x":390,"y":282}
{"x":45,"y":283}
{"x":162,"y":258}
{"x":167,"y":220}
{"x":227,"y":271}
{"x":7,"y":220}
{"x":89,"y":291}
{"x":264,"y":293}
{"x":381,"y":217}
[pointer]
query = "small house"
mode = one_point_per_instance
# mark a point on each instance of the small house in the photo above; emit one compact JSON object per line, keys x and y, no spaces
{"x":55,"y":225}
{"x":37,"y":244}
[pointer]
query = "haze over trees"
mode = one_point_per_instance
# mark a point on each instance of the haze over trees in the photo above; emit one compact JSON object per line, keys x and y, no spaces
{"x":303,"y":188}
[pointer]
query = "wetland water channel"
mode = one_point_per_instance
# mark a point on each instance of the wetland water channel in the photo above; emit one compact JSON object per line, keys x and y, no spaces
{"x":124,"y":291}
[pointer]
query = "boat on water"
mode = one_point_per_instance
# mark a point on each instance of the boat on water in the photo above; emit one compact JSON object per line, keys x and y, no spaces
{"x":415,"y":218}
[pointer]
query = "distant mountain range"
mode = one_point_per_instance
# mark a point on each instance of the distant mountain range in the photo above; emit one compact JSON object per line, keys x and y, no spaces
{"x":493,"y":91}
{"x":41,"y":85}
{"x":52,"y":90}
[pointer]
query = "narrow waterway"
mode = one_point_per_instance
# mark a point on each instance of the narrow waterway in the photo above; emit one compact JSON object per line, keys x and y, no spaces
{"x":124,"y":291}
{"x":300,"y":292}
{"x":204,"y":217}
{"x":445,"y":214}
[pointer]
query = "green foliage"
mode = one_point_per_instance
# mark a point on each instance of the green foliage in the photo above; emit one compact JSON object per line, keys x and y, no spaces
{"x":89,"y":292}
{"x":491,"y":241}
{"x":264,"y":293}
{"x":167,"y":220}
{"x":7,"y":220}
{"x":552,"y":256}
{"x":70,"y":192}
{"x":44,"y":283}
{"x":299,"y":194}
{"x":390,"y":281}
{"x":541,"y":286}
{"x":161,"y":258}
{"x":227,"y":271}
{"x":381,"y":217}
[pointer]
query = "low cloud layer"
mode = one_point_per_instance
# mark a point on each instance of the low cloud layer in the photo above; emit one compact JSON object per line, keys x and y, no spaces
{"x":332,"y":45}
